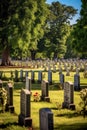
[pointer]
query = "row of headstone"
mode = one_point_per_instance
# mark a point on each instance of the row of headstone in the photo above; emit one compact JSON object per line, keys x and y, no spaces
{"x":45,"y":114}
{"x":76,"y":81}
{"x":21,"y":75}
{"x":54,"y":65}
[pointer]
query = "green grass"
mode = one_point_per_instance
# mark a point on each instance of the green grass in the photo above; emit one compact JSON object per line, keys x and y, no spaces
{"x":64,"y":119}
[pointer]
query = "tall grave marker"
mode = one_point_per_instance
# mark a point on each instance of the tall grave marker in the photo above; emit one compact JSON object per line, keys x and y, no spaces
{"x":68,"y":96}
{"x":61,"y":78}
{"x":32,"y":76}
{"x":50,"y":77}
{"x":25,"y":109}
{"x":39,"y":77}
{"x":21,"y":75}
{"x":9,"y":105}
{"x":28,"y":83}
{"x":45,"y":91}
{"x":77,"y":80}
{"x":46,"y":119}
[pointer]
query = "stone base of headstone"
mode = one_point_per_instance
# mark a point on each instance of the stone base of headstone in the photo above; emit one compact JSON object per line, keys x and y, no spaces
{"x":41,"y":98}
{"x":39,"y":81}
{"x":9,"y":108}
{"x":50,"y":83}
{"x":76,"y":82}
{"x":22,"y":79}
{"x":32,"y":80}
{"x":47,"y":99}
{"x":64,"y":105}
{"x":72,"y":106}
{"x":26,"y":121}
{"x":77,"y":88}
{"x":16,"y":79}
{"x":68,"y":106}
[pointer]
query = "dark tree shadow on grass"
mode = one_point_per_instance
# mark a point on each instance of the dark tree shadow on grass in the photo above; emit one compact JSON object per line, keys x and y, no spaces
{"x":75,"y":126}
{"x":8,"y":124}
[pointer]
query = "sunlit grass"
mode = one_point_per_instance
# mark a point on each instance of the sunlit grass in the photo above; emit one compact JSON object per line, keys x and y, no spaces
{"x":63,"y":119}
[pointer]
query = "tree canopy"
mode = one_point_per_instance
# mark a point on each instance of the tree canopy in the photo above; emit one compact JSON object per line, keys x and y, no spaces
{"x":57,"y":29}
{"x":80,"y":32}
{"x":28,"y":27}
{"x":21,"y":25}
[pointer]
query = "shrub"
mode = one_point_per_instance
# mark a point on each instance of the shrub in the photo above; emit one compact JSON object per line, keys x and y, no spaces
{"x":3,"y":98}
{"x":83,"y":103}
{"x":36,"y":96}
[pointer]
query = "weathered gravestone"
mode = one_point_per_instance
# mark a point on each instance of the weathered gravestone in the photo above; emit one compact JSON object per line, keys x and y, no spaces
{"x":39,"y":77}
{"x":85,"y":71}
{"x":77,"y":71}
{"x":32,"y":76}
{"x":60,"y":70}
{"x":21,"y":75}
{"x":61,"y":79}
{"x":67,"y":72}
{"x":28,"y":83}
{"x":25,"y":109}
{"x":46,"y":119}
{"x":45,"y":91}
{"x":68,"y":96}
{"x":26,"y":73}
{"x":9,"y":105}
{"x":76,"y":82}
{"x":50,"y":77}
{"x":54,"y":68}
{"x":16,"y":75}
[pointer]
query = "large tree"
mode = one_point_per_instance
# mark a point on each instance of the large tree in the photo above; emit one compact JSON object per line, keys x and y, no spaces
{"x":21,"y":25}
{"x":57,"y":29}
{"x":80,"y":32}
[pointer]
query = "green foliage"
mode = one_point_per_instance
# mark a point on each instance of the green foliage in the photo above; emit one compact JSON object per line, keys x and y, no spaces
{"x":83,"y":103}
{"x":22,"y":24}
{"x":57,"y":30}
{"x":80,"y":32}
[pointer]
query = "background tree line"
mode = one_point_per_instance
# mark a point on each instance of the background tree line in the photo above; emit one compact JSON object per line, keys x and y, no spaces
{"x":36,"y":29}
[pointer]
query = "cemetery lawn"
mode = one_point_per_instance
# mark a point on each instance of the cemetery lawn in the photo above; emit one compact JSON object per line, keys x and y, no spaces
{"x":64,"y":119}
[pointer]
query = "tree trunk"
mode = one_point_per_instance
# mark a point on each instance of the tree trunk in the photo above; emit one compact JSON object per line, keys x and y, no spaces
{"x":33,"y":53}
{"x":6,"y":61}
{"x":55,"y":55}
